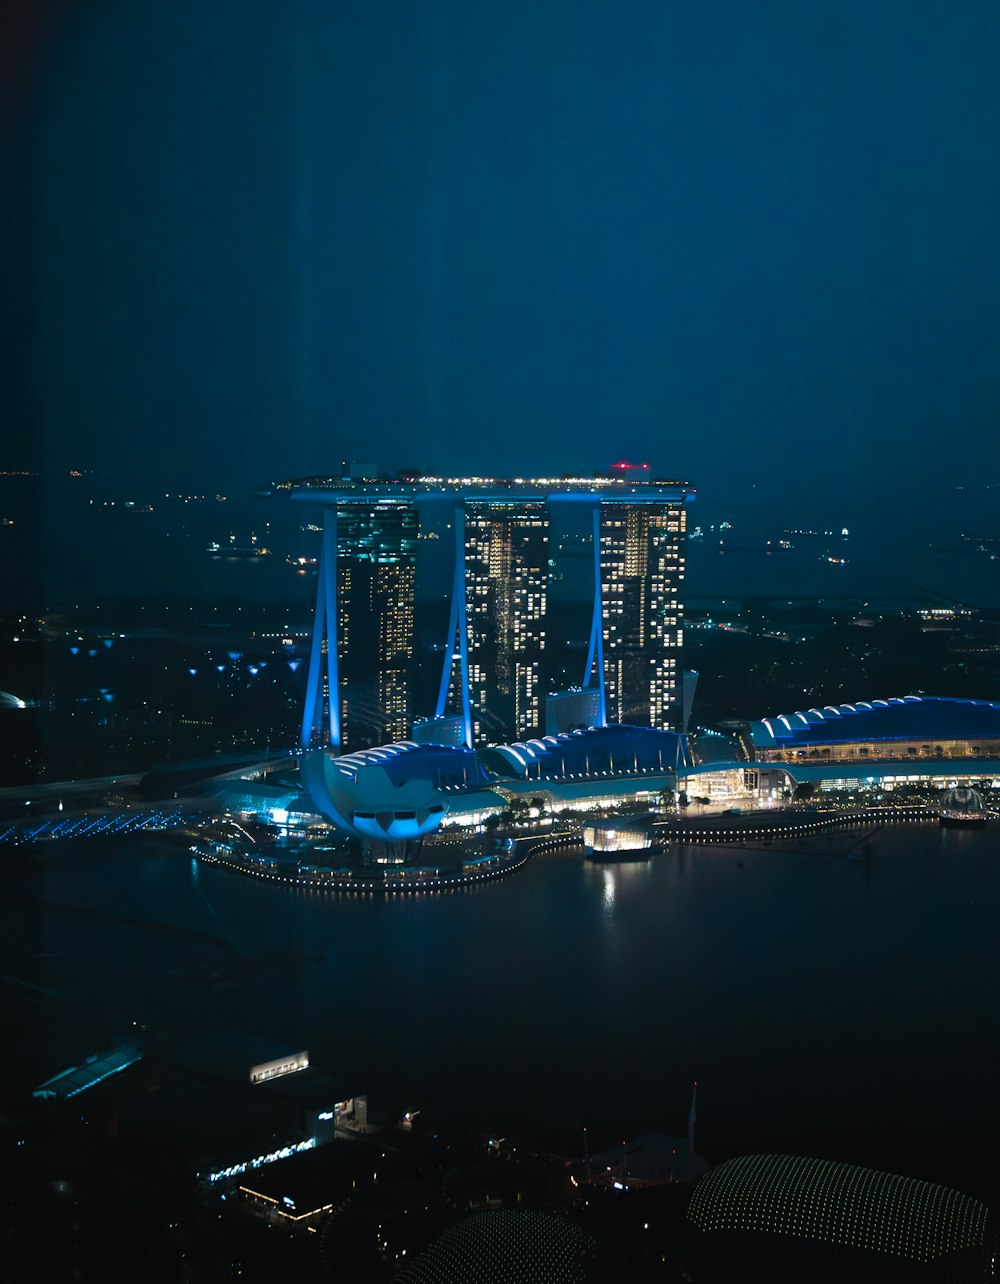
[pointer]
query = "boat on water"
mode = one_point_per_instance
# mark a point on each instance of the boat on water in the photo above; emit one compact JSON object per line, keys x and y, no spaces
{"x":633,"y":855}
{"x":618,"y":839}
{"x":963,"y":807}
{"x":230,"y":549}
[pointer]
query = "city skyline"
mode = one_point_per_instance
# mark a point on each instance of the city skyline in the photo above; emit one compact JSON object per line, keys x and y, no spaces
{"x":397,"y":814}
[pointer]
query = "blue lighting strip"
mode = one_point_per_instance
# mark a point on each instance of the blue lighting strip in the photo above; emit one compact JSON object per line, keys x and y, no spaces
{"x":51,"y":1086}
{"x":332,"y":659}
{"x":463,"y":627}
{"x":449,"y":656}
{"x":457,"y":622}
{"x":315,"y":665}
{"x":324,"y":625}
{"x":107,"y":1075}
{"x":596,"y":648}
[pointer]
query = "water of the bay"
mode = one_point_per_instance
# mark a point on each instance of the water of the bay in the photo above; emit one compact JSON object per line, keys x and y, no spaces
{"x":833,"y":996}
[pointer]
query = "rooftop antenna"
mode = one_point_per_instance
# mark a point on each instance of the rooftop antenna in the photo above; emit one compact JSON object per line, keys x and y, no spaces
{"x":586,"y":1151}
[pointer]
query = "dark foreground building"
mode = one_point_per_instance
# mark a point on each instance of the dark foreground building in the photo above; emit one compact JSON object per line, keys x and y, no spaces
{"x":509,"y":1246}
{"x":780,"y":1217}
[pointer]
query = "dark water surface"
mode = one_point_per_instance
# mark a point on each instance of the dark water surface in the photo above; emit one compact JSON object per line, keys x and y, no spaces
{"x":827,"y":1005}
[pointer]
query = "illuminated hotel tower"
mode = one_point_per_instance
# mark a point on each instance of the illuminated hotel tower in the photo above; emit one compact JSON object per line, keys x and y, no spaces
{"x":506,"y":578}
{"x":642,"y":569}
{"x":376,"y":553}
{"x":490,"y":539}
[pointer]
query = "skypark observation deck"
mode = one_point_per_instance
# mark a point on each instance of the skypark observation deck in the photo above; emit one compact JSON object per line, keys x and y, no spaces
{"x":621,"y":487}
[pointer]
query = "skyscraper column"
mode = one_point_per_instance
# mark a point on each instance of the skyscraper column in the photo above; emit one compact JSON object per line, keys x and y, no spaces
{"x":324,"y":626}
{"x":595,"y":651}
{"x":457,"y":624}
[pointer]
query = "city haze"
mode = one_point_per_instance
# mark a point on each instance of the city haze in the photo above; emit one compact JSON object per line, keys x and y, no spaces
{"x":752,"y":244}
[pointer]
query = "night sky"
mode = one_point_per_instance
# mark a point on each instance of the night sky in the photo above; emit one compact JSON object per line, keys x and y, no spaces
{"x":754,"y":242}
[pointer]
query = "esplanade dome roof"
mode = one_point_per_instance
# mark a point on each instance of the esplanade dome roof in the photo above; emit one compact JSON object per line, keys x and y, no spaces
{"x":507,"y":1246}
{"x":837,"y":1203}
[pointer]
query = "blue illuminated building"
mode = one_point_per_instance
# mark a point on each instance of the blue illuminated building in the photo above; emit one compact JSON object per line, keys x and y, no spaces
{"x":610,"y":750}
{"x":637,"y":526}
{"x":491,"y":650}
{"x":910,"y":726}
{"x":903,"y":739}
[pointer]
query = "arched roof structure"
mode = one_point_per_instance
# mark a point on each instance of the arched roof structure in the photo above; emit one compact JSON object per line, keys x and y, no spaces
{"x":841,"y":1204}
{"x":505,"y":1246}
{"x":616,"y":749}
{"x":911,"y":717}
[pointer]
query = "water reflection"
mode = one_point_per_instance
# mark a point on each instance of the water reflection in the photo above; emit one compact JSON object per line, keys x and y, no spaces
{"x":618,"y":879}
{"x":798,"y":955}
{"x":609,"y":889}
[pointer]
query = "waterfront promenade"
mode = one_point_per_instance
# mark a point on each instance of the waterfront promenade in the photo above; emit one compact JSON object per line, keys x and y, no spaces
{"x":764,"y":828}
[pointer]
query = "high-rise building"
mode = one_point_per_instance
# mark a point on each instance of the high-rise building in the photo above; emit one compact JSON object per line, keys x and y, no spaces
{"x":506,"y":576}
{"x":642,"y":570}
{"x":485,"y":548}
{"x":376,"y":555}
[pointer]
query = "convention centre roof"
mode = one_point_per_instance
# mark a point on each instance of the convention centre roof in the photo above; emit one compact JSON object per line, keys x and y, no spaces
{"x":911,"y":717}
{"x":617,"y":749}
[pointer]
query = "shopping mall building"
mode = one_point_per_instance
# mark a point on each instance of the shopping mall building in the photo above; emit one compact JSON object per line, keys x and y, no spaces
{"x":400,"y":792}
{"x":912,"y":739}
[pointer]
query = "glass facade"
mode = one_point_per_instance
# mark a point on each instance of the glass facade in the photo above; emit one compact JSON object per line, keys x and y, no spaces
{"x":642,"y":571}
{"x":376,"y":575}
{"x":506,"y":576}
